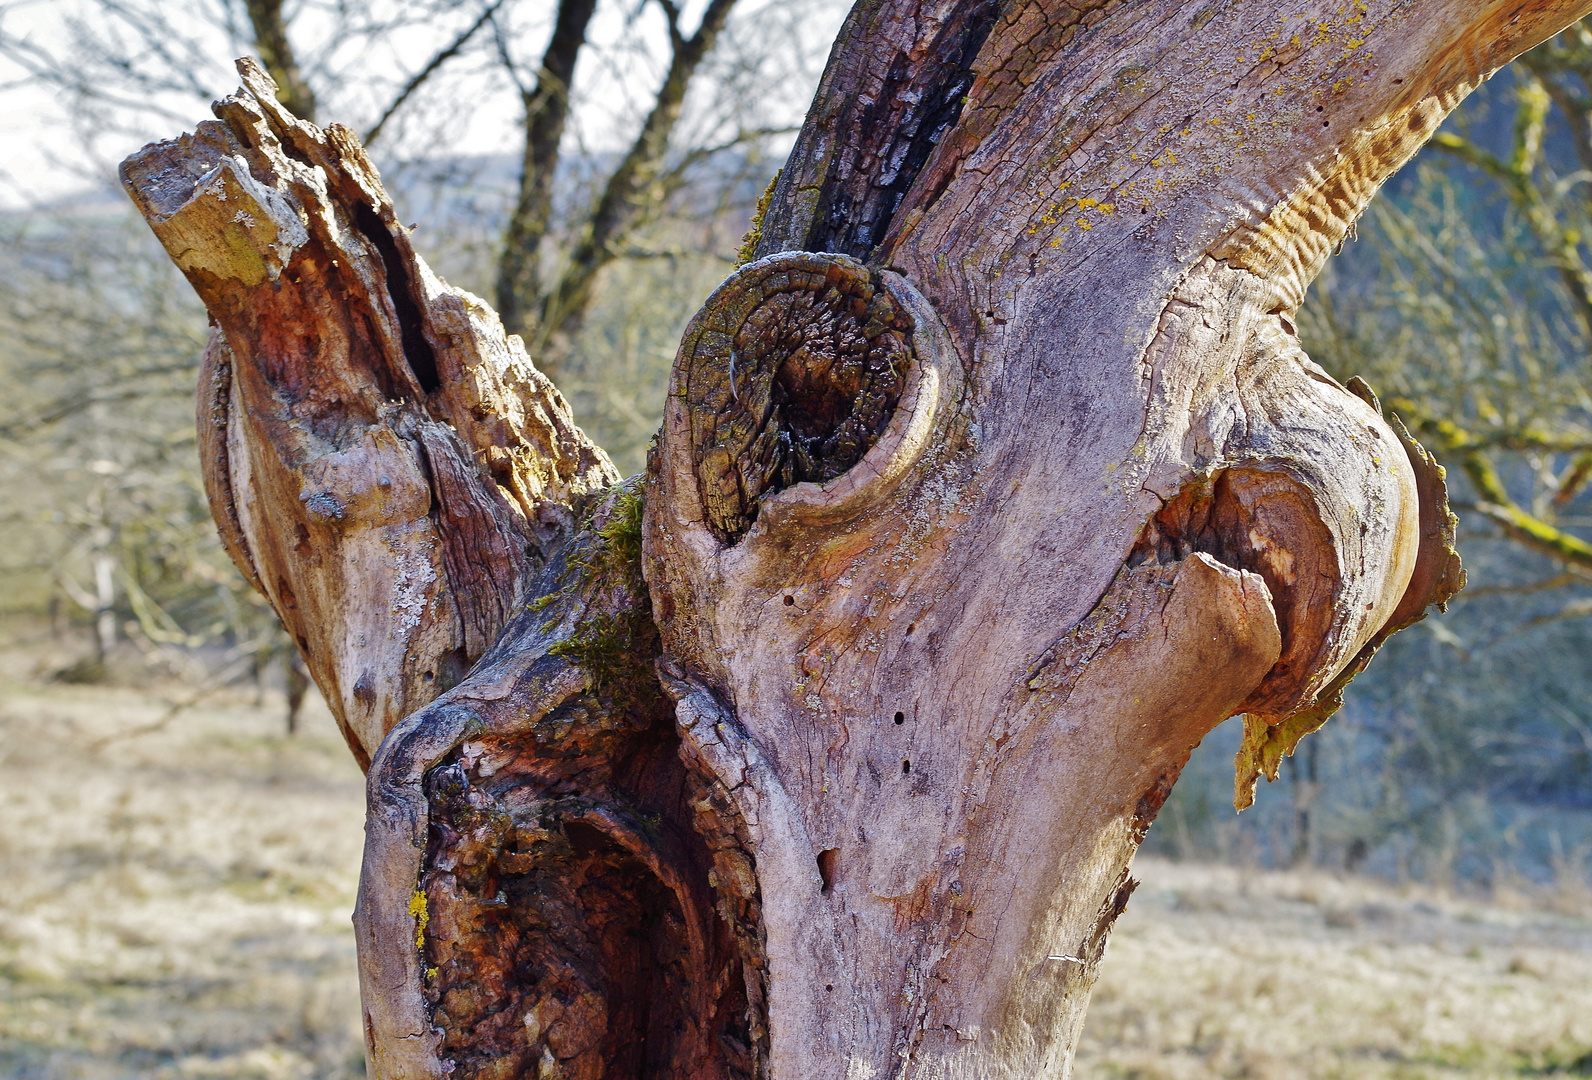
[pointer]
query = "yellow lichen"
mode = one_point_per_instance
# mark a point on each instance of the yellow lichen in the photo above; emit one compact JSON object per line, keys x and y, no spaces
{"x":754,"y":235}
{"x":422,"y":916}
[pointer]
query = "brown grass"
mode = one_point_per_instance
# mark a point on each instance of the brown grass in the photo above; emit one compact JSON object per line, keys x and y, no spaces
{"x":175,"y":904}
{"x":1225,"y":972}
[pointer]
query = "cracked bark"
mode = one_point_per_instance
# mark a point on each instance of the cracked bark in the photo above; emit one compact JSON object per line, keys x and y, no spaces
{"x":964,"y":527}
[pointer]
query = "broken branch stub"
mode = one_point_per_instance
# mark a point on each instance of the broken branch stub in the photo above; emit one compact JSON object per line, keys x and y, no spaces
{"x":792,"y":374}
{"x":383,"y":463}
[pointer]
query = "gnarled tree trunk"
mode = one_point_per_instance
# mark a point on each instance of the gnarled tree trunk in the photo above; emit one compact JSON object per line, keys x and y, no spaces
{"x":991,"y":486}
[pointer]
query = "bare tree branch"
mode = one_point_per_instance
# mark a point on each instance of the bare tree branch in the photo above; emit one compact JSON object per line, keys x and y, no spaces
{"x":431,"y":68}
{"x":634,"y":192}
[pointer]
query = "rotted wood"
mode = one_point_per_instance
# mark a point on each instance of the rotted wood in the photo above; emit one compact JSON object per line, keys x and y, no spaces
{"x":383,"y":462}
{"x":960,"y":534}
{"x":548,"y":888}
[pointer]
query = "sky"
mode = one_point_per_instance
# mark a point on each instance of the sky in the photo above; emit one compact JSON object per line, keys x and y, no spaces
{"x":27,"y":115}
{"x":52,"y":149}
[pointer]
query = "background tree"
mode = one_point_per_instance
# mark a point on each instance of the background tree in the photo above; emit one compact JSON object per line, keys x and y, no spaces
{"x":125,"y":64}
{"x":1529,"y":400}
{"x":106,"y":511}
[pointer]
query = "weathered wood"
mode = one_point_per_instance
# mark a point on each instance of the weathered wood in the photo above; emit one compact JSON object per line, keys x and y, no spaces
{"x":385,"y":465}
{"x":1145,"y":509}
{"x":548,"y":888}
{"x":964,"y":527}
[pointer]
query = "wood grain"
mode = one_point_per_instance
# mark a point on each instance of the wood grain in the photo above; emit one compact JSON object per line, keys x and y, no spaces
{"x":965,"y":525}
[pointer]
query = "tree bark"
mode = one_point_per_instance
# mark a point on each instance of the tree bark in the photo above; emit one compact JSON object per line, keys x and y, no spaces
{"x":993,"y":485}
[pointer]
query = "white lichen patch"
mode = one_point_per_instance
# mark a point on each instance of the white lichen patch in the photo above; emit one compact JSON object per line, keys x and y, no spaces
{"x":413,"y":573}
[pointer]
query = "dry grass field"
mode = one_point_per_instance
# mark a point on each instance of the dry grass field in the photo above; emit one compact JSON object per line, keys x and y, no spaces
{"x":1222,"y":972}
{"x":175,"y":891}
{"x":174,"y":902}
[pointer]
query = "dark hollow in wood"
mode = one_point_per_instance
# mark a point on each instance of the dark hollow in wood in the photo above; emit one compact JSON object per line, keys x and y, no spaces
{"x":587,"y":905}
{"x":570,"y":924}
{"x":792,"y":379}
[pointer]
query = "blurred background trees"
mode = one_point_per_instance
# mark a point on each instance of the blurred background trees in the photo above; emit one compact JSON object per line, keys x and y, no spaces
{"x":590,"y":167}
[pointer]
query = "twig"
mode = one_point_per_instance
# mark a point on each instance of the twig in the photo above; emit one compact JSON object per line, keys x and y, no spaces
{"x":426,"y":72}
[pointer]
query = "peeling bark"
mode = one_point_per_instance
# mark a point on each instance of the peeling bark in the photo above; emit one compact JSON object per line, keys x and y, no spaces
{"x":965,"y":525}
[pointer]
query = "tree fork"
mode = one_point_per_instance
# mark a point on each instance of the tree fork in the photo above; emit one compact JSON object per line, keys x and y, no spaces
{"x":965,"y":525}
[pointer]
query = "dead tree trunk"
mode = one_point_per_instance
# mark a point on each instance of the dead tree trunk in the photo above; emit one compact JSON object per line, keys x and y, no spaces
{"x":993,"y":485}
